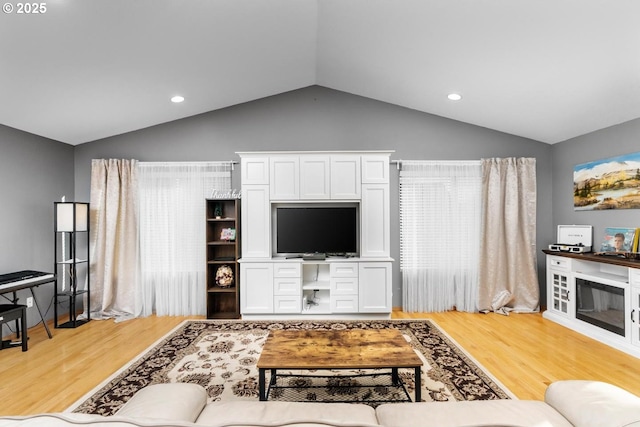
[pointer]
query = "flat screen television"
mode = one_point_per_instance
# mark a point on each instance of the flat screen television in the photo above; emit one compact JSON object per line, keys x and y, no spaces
{"x":332,"y":230}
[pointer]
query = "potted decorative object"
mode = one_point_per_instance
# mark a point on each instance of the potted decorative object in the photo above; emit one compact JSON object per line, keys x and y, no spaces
{"x":217,"y":210}
{"x":224,"y":276}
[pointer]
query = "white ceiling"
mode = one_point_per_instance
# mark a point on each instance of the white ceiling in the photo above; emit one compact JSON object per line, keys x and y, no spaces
{"x":548,"y":70}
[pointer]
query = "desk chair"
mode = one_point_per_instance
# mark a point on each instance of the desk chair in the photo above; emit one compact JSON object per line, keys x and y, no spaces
{"x":17,"y":312}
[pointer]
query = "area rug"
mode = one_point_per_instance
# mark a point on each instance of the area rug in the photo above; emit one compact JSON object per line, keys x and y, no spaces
{"x":222,"y":355}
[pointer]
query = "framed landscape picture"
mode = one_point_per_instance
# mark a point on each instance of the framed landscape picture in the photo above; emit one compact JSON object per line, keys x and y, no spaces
{"x":612,"y":183}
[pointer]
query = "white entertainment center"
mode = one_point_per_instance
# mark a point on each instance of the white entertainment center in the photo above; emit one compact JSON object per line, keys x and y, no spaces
{"x":598,"y":296}
{"x":357,"y":284}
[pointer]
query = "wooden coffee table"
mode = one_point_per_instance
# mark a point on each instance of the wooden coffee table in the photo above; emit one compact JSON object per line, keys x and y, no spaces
{"x":340,"y":349}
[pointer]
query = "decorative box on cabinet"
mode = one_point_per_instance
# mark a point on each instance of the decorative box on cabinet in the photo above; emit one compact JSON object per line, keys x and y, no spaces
{"x":223,"y":252}
{"x":71,"y":249}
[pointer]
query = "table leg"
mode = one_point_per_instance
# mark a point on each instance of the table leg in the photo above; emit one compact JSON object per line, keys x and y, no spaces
{"x":261,"y":388}
{"x":395,"y":378}
{"x":418,"y":384}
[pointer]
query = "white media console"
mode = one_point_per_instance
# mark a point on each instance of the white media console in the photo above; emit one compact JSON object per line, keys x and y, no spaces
{"x":354,"y":286}
{"x":598,"y":296}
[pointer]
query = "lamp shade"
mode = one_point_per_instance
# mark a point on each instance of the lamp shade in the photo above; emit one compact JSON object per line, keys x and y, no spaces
{"x":67,"y":221}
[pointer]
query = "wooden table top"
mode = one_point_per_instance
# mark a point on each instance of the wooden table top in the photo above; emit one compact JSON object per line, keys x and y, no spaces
{"x":343,"y":349}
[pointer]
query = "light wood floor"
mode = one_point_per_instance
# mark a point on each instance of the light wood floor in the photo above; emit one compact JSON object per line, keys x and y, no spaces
{"x":524,"y":352}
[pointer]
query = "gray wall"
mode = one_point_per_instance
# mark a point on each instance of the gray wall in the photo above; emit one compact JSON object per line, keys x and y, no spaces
{"x":318,"y":118}
{"x":34,"y":172}
{"x":609,"y":142}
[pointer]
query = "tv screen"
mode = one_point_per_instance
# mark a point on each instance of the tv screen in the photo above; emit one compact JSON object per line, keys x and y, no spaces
{"x":330,"y":230}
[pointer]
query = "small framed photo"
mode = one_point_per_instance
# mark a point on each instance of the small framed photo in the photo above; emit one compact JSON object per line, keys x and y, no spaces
{"x":228,"y":234}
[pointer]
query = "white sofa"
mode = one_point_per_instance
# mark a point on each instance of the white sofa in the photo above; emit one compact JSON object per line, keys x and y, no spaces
{"x":567,"y":403}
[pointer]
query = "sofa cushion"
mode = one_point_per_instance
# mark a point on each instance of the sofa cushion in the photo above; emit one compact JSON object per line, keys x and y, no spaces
{"x":594,"y":403}
{"x":512,"y":413}
{"x":292,"y":413}
{"x":170,"y":401}
{"x":76,"y":420}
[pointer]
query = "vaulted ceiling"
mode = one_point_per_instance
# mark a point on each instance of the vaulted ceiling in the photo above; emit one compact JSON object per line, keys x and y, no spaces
{"x":548,"y":70}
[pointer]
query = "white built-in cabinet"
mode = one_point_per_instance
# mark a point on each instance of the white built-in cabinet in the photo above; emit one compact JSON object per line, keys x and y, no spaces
{"x":634,"y":276}
{"x":315,"y":177}
{"x":257,"y":293}
{"x":336,"y":286}
{"x":345,"y":177}
{"x":374,"y":221}
{"x":563,"y":270}
{"x":255,"y":215}
{"x":558,"y":282}
{"x":374,"y":289}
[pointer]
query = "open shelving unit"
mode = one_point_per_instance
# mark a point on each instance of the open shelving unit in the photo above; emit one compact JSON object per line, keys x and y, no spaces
{"x":71,"y":237}
{"x":223,"y":252}
{"x":316,"y":288}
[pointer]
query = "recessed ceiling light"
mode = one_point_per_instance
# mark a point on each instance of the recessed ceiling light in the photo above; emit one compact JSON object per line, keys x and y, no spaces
{"x":454,"y":96}
{"x":177,"y":99}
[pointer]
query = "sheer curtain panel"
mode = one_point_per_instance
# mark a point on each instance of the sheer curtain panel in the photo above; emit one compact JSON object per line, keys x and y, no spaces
{"x":508,"y":268}
{"x":440,"y":210}
{"x":114,"y":238}
{"x":172,"y":235}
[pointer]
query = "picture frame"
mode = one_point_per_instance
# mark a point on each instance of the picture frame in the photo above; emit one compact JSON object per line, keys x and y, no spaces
{"x":612,"y":183}
{"x":618,"y":239}
{"x":228,"y":234}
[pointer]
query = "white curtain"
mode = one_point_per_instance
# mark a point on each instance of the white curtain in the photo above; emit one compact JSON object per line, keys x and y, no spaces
{"x":440,"y":211}
{"x":508,"y":268}
{"x":114,"y":238}
{"x":172,"y":235}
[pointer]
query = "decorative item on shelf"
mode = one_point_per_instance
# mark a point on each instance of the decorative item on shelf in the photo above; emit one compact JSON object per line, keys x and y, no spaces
{"x":224,"y":276}
{"x":228,"y":234}
{"x":618,"y":239}
{"x":217,"y":210}
{"x":226,"y":194}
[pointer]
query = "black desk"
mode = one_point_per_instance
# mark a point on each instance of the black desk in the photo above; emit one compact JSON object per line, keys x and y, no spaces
{"x":15,"y":286}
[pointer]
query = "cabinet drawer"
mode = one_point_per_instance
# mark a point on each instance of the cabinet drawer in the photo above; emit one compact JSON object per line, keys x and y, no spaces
{"x":287,"y":304}
{"x":344,"y":286}
{"x":286,"y":270}
{"x":344,"y":269}
{"x":634,"y":277}
{"x":286,"y":286}
{"x":344,"y":303}
{"x":558,"y":263}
